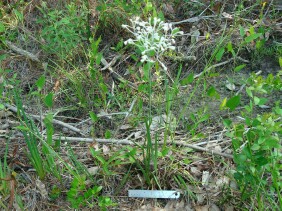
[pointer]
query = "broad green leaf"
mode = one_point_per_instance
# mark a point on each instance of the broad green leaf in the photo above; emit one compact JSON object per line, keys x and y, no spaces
{"x":262,"y":101}
{"x":40,"y":82}
{"x":233,"y":102}
{"x":272,"y":142}
{"x":174,"y":31}
{"x":240,"y":67}
{"x":278,"y":110}
{"x":213,"y":93}
{"x":227,"y":122}
{"x":241,"y":158}
{"x":2,"y":106}
{"x":252,"y":30}
{"x":255,"y":147}
{"x":189,"y":79}
{"x":242,"y":31}
{"x":249,"y":92}
{"x":256,"y":100}
{"x":252,"y":37}
{"x":219,"y":54}
{"x":49,"y":100}
{"x":108,"y":134}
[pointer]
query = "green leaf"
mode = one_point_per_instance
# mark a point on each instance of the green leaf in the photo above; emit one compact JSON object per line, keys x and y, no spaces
{"x":40,"y":82}
{"x":188,"y":80}
{"x":252,"y":37}
{"x":2,"y":27}
{"x":272,"y":142}
{"x":93,"y":116}
{"x":280,"y":61}
{"x":260,"y":101}
{"x":219,"y":54}
{"x":108,"y":134}
{"x":252,"y":30}
{"x":230,"y":49}
{"x":240,"y":67}
{"x":18,"y":14}
{"x":223,"y":104}
{"x":242,"y":31}
{"x":241,"y":158}
{"x":227,"y":122}
{"x":99,"y":58}
{"x":255,"y":147}
{"x":233,"y":102}
{"x":260,"y":44}
{"x":249,"y":92}
{"x":175,"y":31}
{"x":2,"y":106}
{"x":49,"y":100}
{"x":2,"y":57}
{"x":213,"y":93}
{"x":23,"y":128}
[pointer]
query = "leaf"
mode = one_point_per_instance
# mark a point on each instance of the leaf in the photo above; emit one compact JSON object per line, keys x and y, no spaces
{"x":2,"y":27}
{"x":175,"y":31}
{"x":280,"y":61}
{"x":188,"y":80}
{"x":18,"y":14}
{"x":23,"y":128}
{"x":227,"y":122}
{"x":249,"y":92}
{"x":252,"y":30}
{"x":99,"y":58}
{"x":2,"y":106}
{"x":272,"y":142}
{"x":230,"y":86}
{"x":230,"y":49}
{"x":240,"y":67}
{"x":262,"y":101}
{"x":219,"y":54}
{"x":2,"y":57}
{"x":223,"y":104}
{"x":242,"y":31}
{"x":40,"y":82}
{"x":93,"y":116}
{"x":108,"y":134}
{"x":233,"y":102}
{"x":252,"y":37}
{"x":213,"y":93}
{"x":49,"y":100}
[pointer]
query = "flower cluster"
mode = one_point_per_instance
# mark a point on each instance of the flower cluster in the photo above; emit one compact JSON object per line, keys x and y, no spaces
{"x":153,"y":38}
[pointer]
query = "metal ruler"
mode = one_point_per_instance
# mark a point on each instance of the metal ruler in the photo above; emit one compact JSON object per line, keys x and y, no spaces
{"x":154,"y":194}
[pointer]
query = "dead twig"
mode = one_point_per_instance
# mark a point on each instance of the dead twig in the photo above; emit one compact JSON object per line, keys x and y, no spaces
{"x":213,"y":66}
{"x":37,"y":117}
{"x":128,"y":142}
{"x":22,"y":52}
{"x":115,"y":74}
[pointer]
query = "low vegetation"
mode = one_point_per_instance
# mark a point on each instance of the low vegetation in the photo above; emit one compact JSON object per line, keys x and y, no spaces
{"x":101,"y":97}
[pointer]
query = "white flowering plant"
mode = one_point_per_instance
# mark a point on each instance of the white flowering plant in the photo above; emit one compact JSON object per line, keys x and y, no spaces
{"x":153,"y":38}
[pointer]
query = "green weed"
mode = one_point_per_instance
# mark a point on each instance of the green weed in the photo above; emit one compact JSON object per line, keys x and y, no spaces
{"x":63,"y":31}
{"x":257,"y":145}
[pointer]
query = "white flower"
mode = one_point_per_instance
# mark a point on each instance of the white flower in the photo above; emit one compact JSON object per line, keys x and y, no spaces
{"x":154,"y":35}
